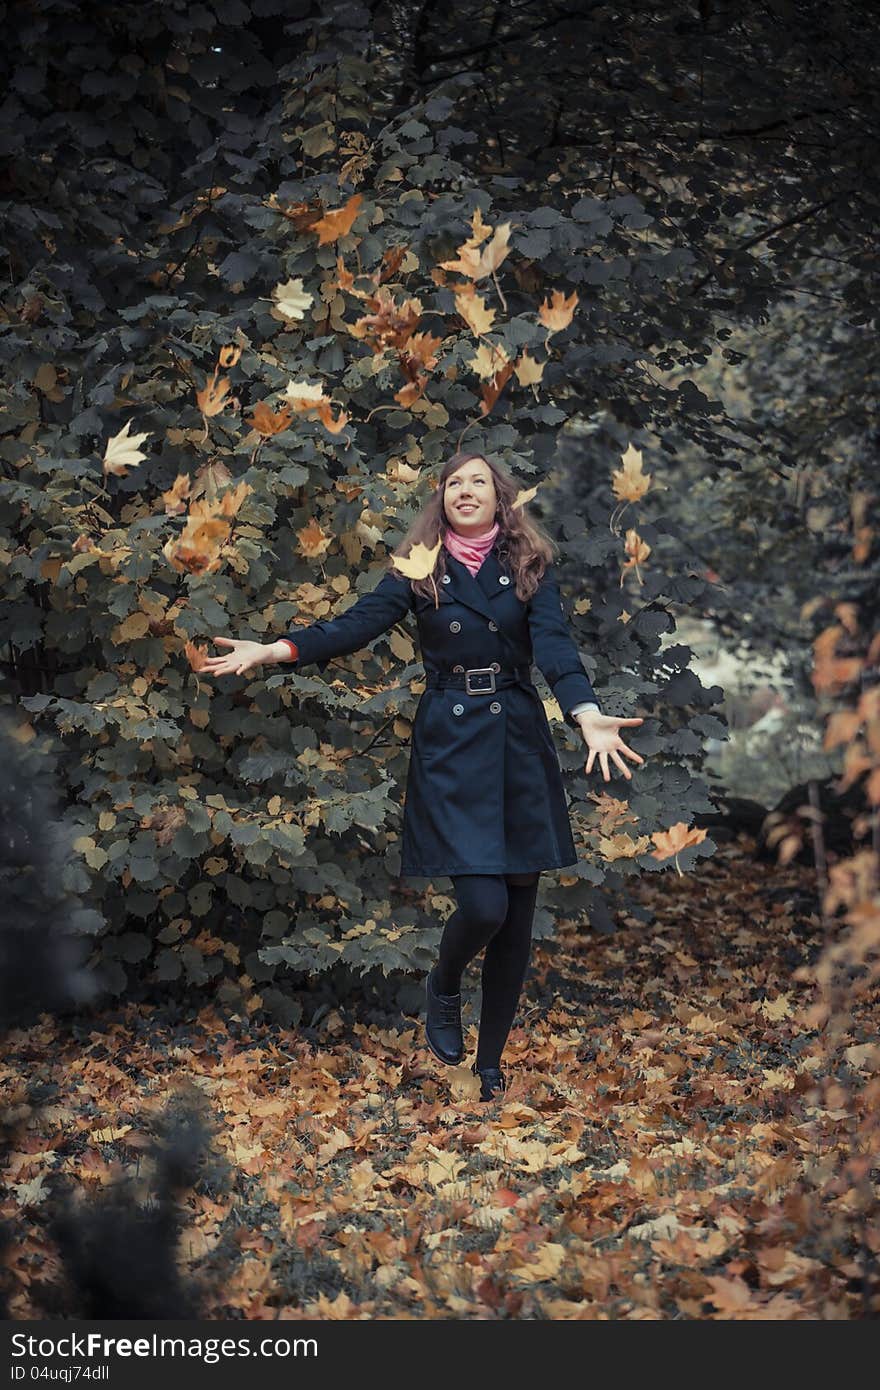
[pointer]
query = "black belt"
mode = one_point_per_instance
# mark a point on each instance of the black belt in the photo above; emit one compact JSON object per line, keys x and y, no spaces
{"x":479,"y":680}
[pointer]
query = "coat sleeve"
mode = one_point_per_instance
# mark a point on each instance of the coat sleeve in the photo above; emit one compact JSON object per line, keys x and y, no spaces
{"x":554,"y":651}
{"x":366,"y":619}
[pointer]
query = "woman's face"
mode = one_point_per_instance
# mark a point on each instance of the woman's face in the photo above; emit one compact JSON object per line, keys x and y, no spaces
{"x":470,"y":499}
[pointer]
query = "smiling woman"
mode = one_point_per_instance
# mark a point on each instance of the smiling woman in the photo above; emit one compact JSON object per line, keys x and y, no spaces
{"x":485,"y":802}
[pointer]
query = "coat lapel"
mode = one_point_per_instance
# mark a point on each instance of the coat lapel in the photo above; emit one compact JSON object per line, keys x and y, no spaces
{"x":476,"y":590}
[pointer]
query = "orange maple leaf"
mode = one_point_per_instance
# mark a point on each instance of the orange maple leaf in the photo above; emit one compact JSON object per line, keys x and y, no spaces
{"x":324,"y":412}
{"x":492,"y":389}
{"x":339,"y":222}
{"x":559,"y":313}
{"x":269,"y":422}
{"x":672,"y":841}
{"x":638,"y":552}
{"x":212,"y":397}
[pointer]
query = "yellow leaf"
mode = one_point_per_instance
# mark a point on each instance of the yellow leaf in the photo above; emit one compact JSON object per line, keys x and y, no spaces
{"x":473,"y":309}
{"x":477,"y":264}
{"x":525,"y":495}
{"x":528,"y":369}
{"x":559,"y":313}
{"x":420,"y":561}
{"x":488,"y":359}
{"x":629,"y":482}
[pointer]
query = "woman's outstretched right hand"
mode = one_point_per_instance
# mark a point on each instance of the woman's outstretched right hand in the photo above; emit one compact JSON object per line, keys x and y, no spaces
{"x":245,"y":656}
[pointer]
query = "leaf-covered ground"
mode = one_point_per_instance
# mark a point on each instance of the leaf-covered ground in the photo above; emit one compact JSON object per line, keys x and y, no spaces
{"x":664,"y":1149}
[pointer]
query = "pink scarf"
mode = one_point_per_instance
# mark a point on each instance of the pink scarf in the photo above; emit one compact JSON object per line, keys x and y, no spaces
{"x":470,"y":550}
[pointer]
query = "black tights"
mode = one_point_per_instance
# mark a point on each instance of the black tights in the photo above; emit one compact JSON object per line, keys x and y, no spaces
{"x":495,"y":911}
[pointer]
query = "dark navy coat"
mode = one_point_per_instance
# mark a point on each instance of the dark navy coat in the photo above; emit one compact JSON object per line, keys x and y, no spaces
{"x":484,"y":789}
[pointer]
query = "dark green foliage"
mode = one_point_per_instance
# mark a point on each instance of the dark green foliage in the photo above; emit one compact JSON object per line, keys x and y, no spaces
{"x":156,"y":160}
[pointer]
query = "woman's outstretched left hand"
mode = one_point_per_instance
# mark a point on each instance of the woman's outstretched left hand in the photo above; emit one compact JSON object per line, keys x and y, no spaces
{"x":601,"y":736}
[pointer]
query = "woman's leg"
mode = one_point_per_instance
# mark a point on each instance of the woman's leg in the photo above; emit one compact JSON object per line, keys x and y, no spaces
{"x":504,"y":968}
{"x":482,"y":906}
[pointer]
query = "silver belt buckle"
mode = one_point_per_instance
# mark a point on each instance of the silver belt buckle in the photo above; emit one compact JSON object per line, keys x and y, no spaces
{"x":479,"y":671}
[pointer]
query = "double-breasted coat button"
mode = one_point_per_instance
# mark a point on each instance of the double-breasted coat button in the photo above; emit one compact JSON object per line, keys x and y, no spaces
{"x":458,"y":709}
{"x":455,"y":626}
{"x":493,"y":627}
{"x":503,"y":579}
{"x":458,"y":668}
{"x":495,"y":707}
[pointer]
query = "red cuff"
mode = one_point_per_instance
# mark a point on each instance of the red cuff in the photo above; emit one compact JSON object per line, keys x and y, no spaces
{"x":294,"y":650}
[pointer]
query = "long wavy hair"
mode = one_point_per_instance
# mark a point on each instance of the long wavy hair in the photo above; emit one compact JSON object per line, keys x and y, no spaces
{"x":526,"y":546}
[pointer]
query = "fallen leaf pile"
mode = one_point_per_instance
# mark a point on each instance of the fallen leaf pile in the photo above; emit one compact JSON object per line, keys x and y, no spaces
{"x":666,"y":1147}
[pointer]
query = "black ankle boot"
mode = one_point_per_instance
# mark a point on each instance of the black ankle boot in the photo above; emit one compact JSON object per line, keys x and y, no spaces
{"x":443,"y":1024}
{"x":492,"y":1082}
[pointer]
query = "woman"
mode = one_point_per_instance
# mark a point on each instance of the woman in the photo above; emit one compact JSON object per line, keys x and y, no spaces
{"x":485,"y":803}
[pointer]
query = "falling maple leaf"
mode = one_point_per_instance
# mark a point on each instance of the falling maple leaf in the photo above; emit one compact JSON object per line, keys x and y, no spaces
{"x":123,"y":451}
{"x":313,"y":541}
{"x":628,"y":482}
{"x":269,"y":422}
{"x":490,"y":392}
{"x":303,"y":395}
{"x":309,"y":400}
{"x":419,"y":562}
{"x":303,"y":216}
{"x":671,"y":842}
{"x":473,"y":308}
{"x":175,"y":498}
{"x":292,"y":299}
{"x":524,"y":495}
{"x":489,"y":360}
{"x":528,"y":370}
{"x":559,"y":313}
{"x":412,"y":391}
{"x":197,"y":550}
{"x":421,"y":348}
{"x":479,"y":229}
{"x":392,"y":259}
{"x":212,"y":397}
{"x":339,"y":222}
{"x":389,"y":325}
{"x":637,"y":550}
{"x":476,"y":264}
